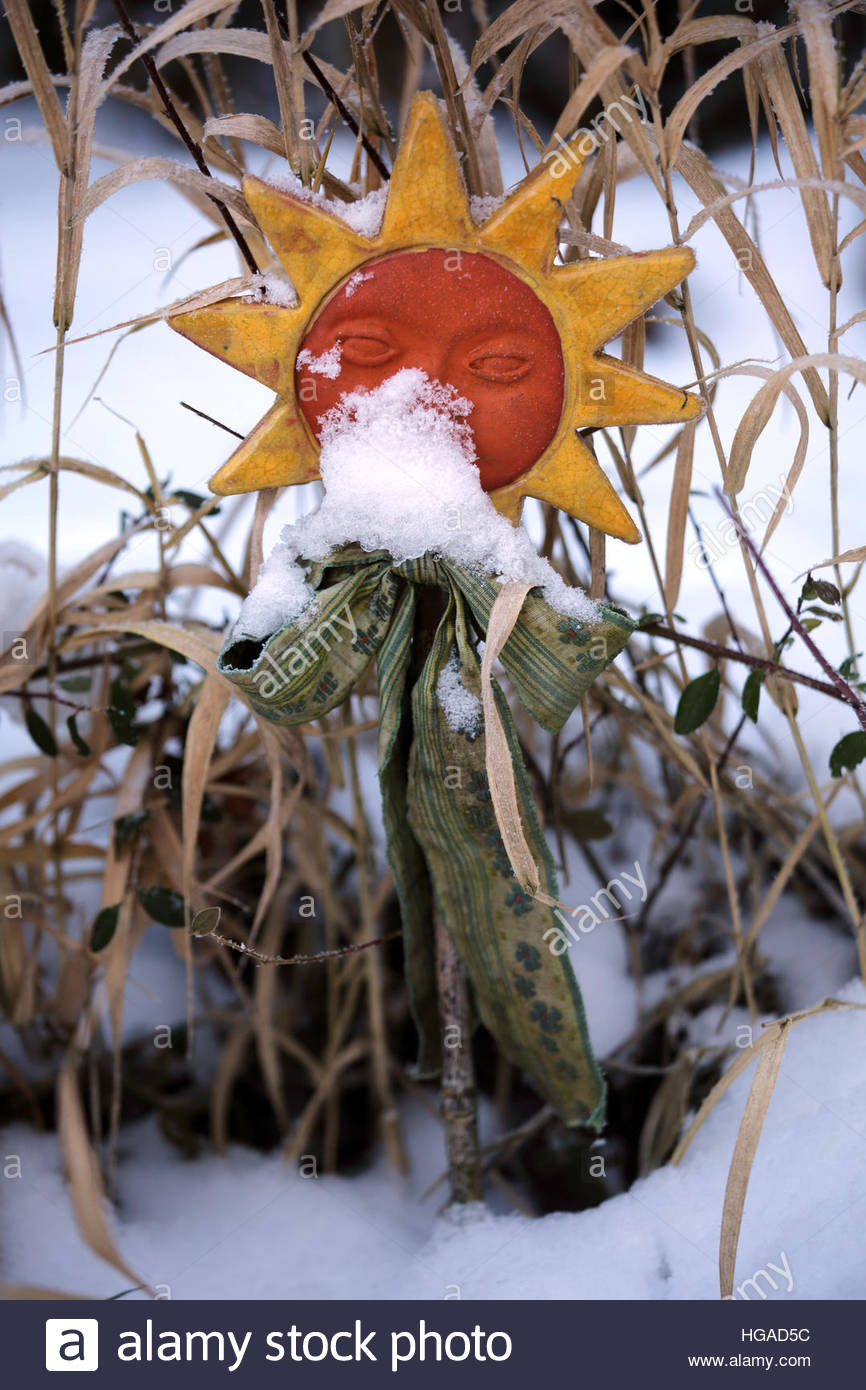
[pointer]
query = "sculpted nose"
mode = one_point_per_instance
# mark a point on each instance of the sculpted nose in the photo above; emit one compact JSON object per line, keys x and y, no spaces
{"x":430,"y":357}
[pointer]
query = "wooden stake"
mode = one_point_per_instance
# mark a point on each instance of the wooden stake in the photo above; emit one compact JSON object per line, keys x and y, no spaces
{"x":458,"y":1097}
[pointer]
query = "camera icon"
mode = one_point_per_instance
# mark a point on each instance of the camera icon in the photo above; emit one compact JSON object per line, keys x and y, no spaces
{"x":71,"y":1344}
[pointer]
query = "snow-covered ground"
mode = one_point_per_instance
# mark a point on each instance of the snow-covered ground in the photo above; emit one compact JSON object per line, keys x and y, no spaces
{"x":246,"y":1225}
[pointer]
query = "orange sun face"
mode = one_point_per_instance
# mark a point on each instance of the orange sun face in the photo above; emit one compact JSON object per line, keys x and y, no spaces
{"x":481,"y":307}
{"x":463,"y":319}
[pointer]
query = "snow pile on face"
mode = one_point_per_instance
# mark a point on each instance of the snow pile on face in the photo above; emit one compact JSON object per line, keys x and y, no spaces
{"x":397,"y":466}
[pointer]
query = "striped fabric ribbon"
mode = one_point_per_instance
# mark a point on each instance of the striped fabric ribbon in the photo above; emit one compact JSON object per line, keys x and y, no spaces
{"x":443,"y":840}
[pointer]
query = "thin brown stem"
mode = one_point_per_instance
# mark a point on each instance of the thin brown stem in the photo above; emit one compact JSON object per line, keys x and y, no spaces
{"x":845,"y":691}
{"x":757,"y":663}
{"x":197,"y":156}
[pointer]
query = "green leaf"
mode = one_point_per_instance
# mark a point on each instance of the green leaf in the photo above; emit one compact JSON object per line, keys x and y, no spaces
{"x":125,"y":827}
{"x":848,"y":753}
{"x":207,"y":920}
{"x":824,"y":590}
{"x":809,"y":624}
{"x":824,"y":613}
{"x":104,"y":927}
{"x":193,"y":500}
{"x":697,"y":702}
{"x":586,"y":823}
{"x":40,"y":732}
{"x":81,"y":745}
{"x":163,"y":905}
{"x":848,"y":668}
{"x":752,"y":694}
{"x":75,"y":685}
{"x":121,"y":714}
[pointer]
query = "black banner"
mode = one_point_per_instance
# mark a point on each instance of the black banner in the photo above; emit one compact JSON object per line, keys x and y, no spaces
{"x":480,"y":1344}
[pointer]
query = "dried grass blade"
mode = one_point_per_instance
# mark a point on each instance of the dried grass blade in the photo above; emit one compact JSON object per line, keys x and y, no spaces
{"x":823,"y":80}
{"x":687,"y":105}
{"x":273,"y":827}
{"x":332,"y":9}
{"x":509,"y":25}
{"x":231,"y":1059}
{"x":749,"y":1134}
{"x":678,"y":515}
{"x":847,"y":557}
{"x":238,"y":43}
{"x":200,"y":647}
{"x":603,"y":65}
{"x":704,"y":181}
{"x":500,"y":773}
{"x":83,"y":1172}
{"x":283,"y":84}
{"x":258,"y":130}
{"x":736,"y":477}
{"x":32,"y":1292}
{"x":156,"y":167}
{"x":30,"y":49}
{"x":760,"y":408}
{"x":210,"y":706}
{"x":786,"y":104}
{"x":193,"y":12}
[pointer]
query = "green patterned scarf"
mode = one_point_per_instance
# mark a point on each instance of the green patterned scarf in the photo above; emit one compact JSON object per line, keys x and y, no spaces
{"x":442,"y":835}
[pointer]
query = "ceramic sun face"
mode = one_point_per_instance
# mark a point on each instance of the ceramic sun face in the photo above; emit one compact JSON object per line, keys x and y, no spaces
{"x":481,"y":307}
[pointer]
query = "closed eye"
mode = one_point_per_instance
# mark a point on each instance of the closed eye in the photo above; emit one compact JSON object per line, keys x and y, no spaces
{"x":366,"y":349}
{"x":502,"y":367}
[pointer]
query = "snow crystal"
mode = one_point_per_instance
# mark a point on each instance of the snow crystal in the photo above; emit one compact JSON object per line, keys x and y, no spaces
{"x":280,"y":594}
{"x":327,"y":364}
{"x":482,"y":206}
{"x":462,"y":709}
{"x":364,"y":216}
{"x":357,"y":279}
{"x":397,"y":465}
{"x":276,"y":288}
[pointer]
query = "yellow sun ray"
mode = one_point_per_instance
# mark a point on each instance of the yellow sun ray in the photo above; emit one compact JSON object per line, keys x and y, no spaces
{"x":572,"y":480}
{"x":260,"y":340}
{"x":590,"y":302}
{"x":427,"y":201}
{"x":604,"y":293}
{"x":280,"y":451}
{"x":309,"y":242}
{"x":524,"y":228}
{"x":609,"y":391}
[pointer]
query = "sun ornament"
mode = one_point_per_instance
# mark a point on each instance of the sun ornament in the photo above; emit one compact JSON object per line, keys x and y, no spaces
{"x":435,"y":300}
{"x":480,"y":306}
